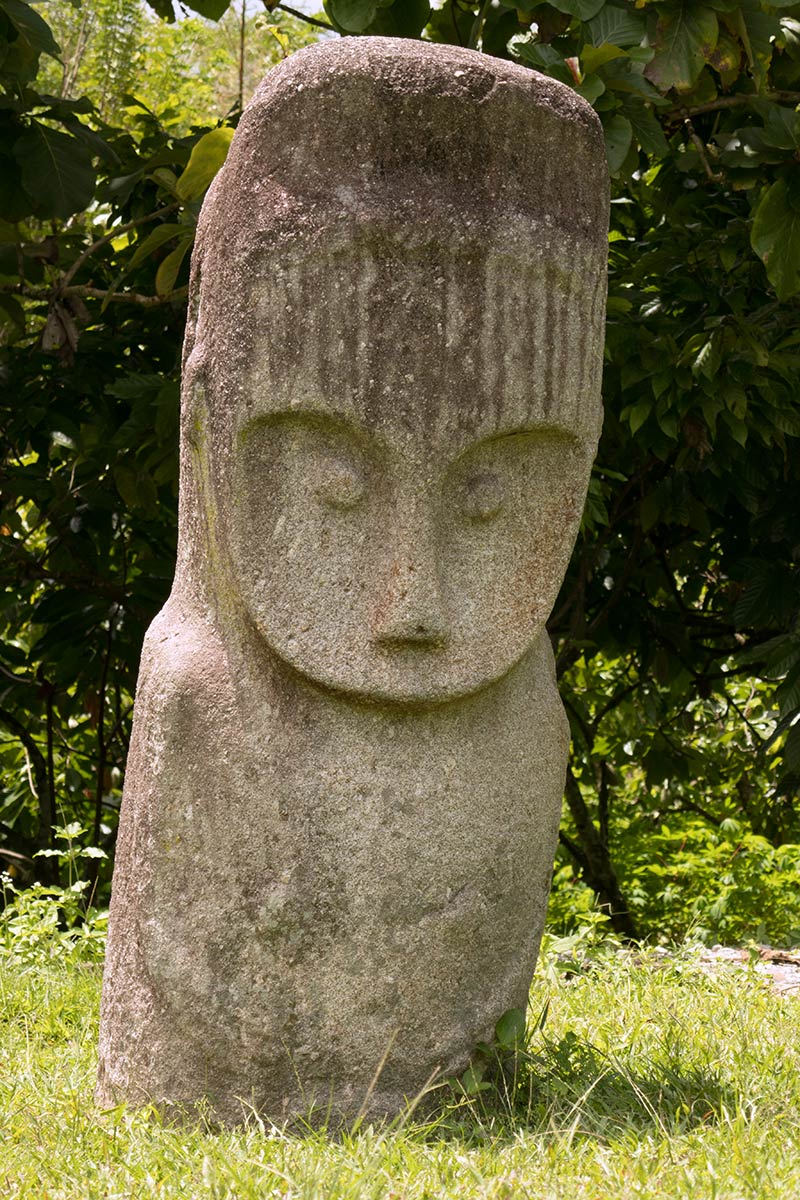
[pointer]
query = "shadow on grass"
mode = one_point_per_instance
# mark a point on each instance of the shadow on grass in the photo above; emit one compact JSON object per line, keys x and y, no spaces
{"x":570,"y":1087}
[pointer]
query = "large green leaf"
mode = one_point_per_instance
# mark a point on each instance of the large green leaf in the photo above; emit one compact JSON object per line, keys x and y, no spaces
{"x":404,"y":18}
{"x":726,"y":57}
{"x":163,"y":9}
{"x":646,"y":129}
{"x":758,"y":31}
{"x":791,"y":750}
{"x":30,"y":26}
{"x":155,"y":238}
{"x":617,"y":26}
{"x":789,"y":37}
{"x":206,"y":158}
{"x":19,"y":61}
{"x":451,"y":23}
{"x":623,"y":75}
{"x":12,"y":314}
{"x":582,"y":9}
{"x":509,"y":1033}
{"x":168,"y":271}
{"x":618,"y":133}
{"x":776,"y":238}
{"x":782,"y":128}
{"x":14,"y":202}
{"x":542,"y":58}
{"x":594,"y":57}
{"x":57,"y":171}
{"x":212,"y":10}
{"x":352,"y":15}
{"x":686,"y":35}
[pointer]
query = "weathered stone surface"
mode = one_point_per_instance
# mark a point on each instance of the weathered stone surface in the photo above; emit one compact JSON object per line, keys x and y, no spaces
{"x":345,"y":781}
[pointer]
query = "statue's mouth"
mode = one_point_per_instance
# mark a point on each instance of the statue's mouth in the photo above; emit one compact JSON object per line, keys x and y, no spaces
{"x":419,"y":641}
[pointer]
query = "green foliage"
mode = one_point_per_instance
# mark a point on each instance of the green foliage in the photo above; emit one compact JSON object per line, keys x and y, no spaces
{"x":211,"y":9}
{"x":352,"y":16}
{"x":189,"y":73}
{"x":92,"y":346}
{"x":99,"y":223}
{"x":776,"y":235}
{"x":379,"y":18}
{"x":54,"y":171}
{"x":47,"y":172}
{"x":26,"y":36}
{"x":686,"y":36}
{"x":208,"y":155}
{"x":41,"y":925}
{"x":724,"y":885}
{"x":492,"y":1068}
{"x":716,"y":885}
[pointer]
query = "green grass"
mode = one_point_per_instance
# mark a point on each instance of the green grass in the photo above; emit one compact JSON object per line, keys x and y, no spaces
{"x":645,"y":1081}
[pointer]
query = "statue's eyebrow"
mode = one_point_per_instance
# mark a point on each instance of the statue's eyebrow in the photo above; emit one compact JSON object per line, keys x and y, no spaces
{"x":322,"y":420}
{"x":540,"y":432}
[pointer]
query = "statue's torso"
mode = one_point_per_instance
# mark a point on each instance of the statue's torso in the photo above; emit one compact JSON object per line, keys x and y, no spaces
{"x":342,"y":877}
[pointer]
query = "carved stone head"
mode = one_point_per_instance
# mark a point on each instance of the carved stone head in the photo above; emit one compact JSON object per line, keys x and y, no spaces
{"x":392,"y":391}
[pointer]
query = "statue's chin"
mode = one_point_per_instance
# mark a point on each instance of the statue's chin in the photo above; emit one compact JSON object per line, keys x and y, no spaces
{"x":406,"y":676}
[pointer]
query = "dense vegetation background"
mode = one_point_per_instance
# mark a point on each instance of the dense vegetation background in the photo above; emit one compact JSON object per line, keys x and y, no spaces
{"x":677,"y":629}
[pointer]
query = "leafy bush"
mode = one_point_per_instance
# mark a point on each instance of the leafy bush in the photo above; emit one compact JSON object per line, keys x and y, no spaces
{"x":691,"y":880}
{"x":719,"y":885}
{"x":44,"y":924}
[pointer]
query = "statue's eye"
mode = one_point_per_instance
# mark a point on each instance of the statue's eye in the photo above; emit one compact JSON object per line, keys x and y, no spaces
{"x":340,"y":485}
{"x":482,"y":497}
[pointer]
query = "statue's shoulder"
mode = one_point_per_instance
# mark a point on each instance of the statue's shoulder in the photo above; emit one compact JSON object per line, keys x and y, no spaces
{"x":183,"y":656}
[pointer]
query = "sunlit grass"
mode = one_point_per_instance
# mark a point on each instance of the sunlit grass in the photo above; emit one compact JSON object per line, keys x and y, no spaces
{"x":646,"y":1079}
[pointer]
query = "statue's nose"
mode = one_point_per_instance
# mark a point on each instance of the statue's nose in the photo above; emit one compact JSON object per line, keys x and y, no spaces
{"x":410,"y":611}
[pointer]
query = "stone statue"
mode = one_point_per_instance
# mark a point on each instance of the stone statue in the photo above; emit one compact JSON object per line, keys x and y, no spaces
{"x":345,"y":781}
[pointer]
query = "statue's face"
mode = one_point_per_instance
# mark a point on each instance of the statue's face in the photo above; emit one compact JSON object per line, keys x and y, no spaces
{"x":407,"y":446}
{"x":387,"y":561}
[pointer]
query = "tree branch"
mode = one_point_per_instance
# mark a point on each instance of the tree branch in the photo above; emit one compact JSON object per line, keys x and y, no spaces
{"x":616,"y":700}
{"x":603,"y":803}
{"x":14,"y":835}
{"x":693,"y":806}
{"x":569,"y":654}
{"x":598,"y":871}
{"x":39,"y":766}
{"x":301,"y":16}
{"x":574,"y":851}
{"x":724,"y":102}
{"x":130,"y":297}
{"x":50,"y":294}
{"x":15,"y":678}
{"x":109,"y":237}
{"x":101,"y":732}
{"x":702,"y":150}
{"x":37,"y":758}
{"x":587,"y":731}
{"x":32,"y":569}
{"x":477,"y":25}
{"x":51,"y":776}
